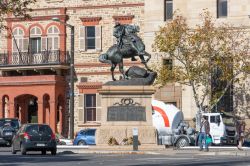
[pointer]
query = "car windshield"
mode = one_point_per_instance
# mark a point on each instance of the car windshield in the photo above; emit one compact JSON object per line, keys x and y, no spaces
{"x":36,"y":129}
{"x":9,"y":122}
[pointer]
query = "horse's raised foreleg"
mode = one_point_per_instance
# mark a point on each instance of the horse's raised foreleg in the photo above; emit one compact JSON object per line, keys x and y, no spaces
{"x":143,"y":61}
{"x":142,"y":58}
{"x":113,"y":66}
{"x":122,"y":70}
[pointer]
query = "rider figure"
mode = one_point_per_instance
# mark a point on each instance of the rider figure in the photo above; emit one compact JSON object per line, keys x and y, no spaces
{"x":121,"y":31}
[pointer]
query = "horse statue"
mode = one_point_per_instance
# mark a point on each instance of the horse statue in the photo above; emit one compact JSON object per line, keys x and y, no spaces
{"x":129,"y":45}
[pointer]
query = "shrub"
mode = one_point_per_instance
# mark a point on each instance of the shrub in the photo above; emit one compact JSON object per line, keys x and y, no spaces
{"x":112,"y":141}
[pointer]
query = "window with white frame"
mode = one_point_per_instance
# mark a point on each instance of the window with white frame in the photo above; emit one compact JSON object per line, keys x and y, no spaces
{"x":52,"y":38}
{"x":90,"y":107}
{"x":17,"y":40}
{"x":168,"y":10}
{"x":221,"y":8}
{"x":90,"y":38}
{"x":35,"y":40}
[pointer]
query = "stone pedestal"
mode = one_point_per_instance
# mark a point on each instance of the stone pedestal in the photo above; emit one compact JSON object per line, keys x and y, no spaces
{"x":125,"y":108}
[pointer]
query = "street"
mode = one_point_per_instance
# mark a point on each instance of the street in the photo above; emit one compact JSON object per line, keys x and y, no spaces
{"x":69,"y":159}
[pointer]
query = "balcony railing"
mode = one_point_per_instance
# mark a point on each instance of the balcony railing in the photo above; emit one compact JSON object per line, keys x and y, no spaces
{"x":26,"y":58}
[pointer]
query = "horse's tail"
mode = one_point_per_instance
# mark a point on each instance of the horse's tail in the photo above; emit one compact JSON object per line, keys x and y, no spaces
{"x":104,"y":58}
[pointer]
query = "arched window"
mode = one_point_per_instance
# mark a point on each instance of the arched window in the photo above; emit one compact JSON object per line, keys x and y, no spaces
{"x":17,"y":40}
{"x":35,"y":40}
{"x":53,"y":38}
{"x":35,"y":31}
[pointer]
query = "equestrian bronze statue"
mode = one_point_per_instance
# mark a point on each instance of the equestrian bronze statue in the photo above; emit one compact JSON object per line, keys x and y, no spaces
{"x":128,"y":45}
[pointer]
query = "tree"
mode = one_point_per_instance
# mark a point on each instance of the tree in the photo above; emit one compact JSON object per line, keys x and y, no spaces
{"x":18,"y":8}
{"x":211,"y":58}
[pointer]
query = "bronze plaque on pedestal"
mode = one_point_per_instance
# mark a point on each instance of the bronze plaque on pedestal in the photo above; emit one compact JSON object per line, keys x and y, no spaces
{"x":127,"y":110}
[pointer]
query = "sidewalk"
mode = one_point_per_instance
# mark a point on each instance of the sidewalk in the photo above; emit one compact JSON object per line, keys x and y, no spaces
{"x":106,"y":149}
{"x":155,"y":150}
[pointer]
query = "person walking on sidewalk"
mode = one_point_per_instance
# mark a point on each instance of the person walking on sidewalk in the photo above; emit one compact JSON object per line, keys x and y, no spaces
{"x":204,"y":133}
{"x":240,"y":126}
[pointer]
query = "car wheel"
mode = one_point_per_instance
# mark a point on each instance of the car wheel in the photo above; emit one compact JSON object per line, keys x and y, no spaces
{"x":53,"y":151}
{"x":13,"y":149}
{"x":23,"y":150}
{"x":43,"y":152}
{"x":81,"y":143}
{"x":182,"y":142}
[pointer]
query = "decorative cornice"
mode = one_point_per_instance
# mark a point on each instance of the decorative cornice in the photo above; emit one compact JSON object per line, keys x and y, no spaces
{"x":123,"y":18}
{"x":98,"y":64}
{"x":93,"y":6}
{"x":90,"y":19}
{"x":127,"y":90}
{"x":97,"y":73}
{"x":36,"y":18}
{"x":107,"y":6}
{"x":89,"y":85}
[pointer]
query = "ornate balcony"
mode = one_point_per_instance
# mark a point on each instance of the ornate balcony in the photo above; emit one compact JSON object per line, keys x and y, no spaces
{"x":34,"y":59}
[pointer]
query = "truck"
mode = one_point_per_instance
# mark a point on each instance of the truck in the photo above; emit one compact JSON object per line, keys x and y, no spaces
{"x":173,"y":130}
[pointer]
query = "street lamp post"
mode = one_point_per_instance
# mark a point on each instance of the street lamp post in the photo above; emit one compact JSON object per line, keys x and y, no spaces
{"x":71,"y":109}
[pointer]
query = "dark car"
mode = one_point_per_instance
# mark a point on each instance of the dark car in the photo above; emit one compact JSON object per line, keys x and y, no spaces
{"x":34,"y":137}
{"x":85,"y":137}
{"x":8,"y":128}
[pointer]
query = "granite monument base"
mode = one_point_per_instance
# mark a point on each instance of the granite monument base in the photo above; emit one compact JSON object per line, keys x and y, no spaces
{"x":125,"y":108}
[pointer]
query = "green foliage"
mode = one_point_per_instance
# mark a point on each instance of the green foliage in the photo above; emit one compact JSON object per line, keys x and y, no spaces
{"x":112,"y":141}
{"x":129,"y":141}
{"x":203,"y":53}
{"x":166,"y":75}
{"x":18,"y":8}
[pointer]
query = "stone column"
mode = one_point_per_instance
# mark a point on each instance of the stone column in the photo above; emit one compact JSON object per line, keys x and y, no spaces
{"x":46,"y":113}
{"x":47,"y":116}
{"x":10,"y":108}
{"x":1,"y":107}
{"x":53,"y":115}
{"x":40,"y":111}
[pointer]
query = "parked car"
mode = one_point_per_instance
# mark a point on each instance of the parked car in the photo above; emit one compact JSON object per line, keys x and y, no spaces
{"x":85,"y":137}
{"x":60,"y":140}
{"x":34,"y":137}
{"x":8,"y":128}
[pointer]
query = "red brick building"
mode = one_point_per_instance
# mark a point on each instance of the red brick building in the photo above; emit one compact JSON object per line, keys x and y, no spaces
{"x":33,"y":67}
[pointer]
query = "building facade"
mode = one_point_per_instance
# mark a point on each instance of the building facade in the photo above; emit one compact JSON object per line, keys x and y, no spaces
{"x":34,"y":55}
{"x":159,"y":12}
{"x":35,"y":60}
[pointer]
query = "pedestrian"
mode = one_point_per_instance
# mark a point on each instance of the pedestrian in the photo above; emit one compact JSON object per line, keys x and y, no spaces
{"x":204,"y":133}
{"x":240,"y":131}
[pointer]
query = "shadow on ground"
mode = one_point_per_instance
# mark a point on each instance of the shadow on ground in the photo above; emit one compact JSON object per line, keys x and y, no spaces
{"x":13,"y":160}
